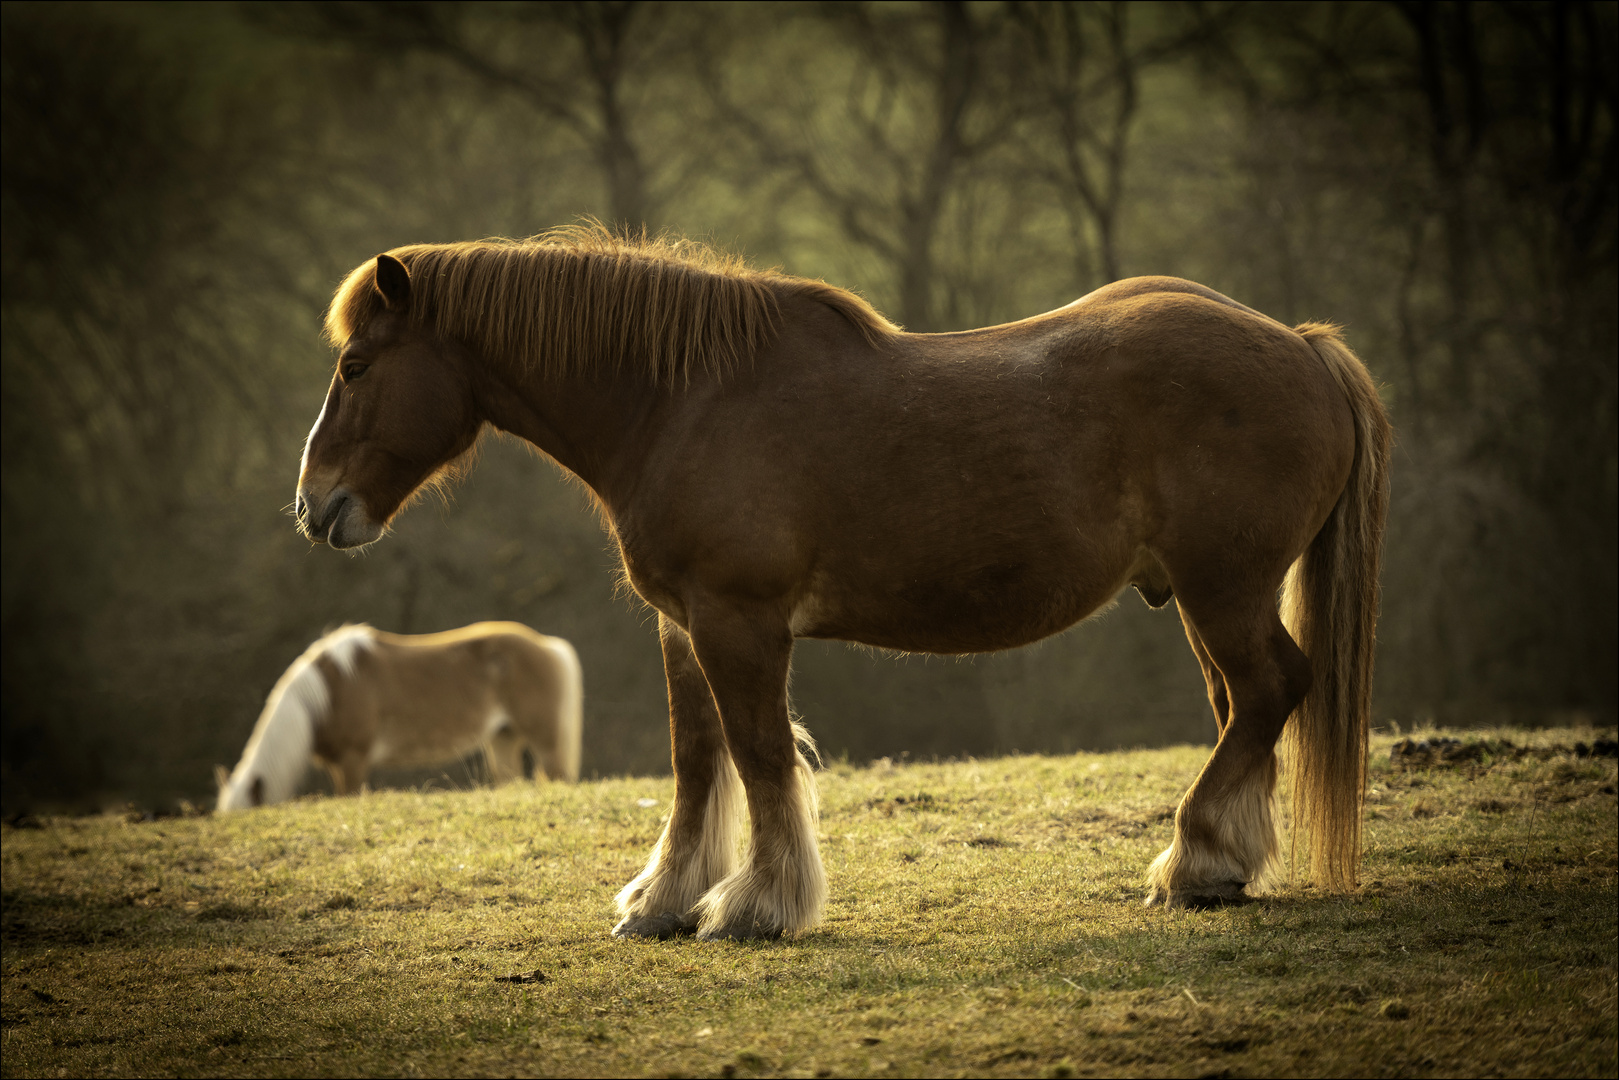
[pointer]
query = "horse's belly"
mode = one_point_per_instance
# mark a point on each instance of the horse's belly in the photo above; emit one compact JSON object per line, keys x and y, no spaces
{"x":995,"y":607}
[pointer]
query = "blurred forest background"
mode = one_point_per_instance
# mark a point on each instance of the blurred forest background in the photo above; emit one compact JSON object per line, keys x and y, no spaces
{"x":184,"y":185}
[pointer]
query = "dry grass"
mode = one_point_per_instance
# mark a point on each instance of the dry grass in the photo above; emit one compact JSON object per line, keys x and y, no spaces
{"x":985,"y":920}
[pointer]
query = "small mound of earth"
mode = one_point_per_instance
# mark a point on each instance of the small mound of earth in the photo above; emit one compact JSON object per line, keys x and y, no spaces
{"x":1449,"y":751}
{"x":1445,"y":750}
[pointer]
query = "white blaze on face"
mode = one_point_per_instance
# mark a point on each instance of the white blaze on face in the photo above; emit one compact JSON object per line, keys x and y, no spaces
{"x":303,"y":465}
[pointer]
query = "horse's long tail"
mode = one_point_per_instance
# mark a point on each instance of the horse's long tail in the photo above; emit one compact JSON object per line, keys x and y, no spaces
{"x":1329,"y":604}
{"x":570,"y":710}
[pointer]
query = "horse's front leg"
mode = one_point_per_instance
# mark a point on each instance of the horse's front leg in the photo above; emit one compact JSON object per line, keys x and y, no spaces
{"x":349,"y":772}
{"x":781,"y":886}
{"x":698,"y":846}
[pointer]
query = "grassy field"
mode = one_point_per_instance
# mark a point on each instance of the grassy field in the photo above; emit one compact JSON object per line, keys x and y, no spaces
{"x":985,"y":919}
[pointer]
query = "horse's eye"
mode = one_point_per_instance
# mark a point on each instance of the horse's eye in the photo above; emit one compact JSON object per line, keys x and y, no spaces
{"x":353,"y":371}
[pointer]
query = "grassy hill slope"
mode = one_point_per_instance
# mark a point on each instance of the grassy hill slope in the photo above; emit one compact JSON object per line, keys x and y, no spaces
{"x":985,"y":920}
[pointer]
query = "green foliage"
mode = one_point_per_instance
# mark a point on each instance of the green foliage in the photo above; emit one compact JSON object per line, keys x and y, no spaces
{"x":985,"y":920}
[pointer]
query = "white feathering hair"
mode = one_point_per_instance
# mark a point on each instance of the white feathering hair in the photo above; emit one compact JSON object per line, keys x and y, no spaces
{"x":278,"y":752}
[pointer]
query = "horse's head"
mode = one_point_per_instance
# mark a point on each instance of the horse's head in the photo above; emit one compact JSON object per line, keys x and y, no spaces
{"x":239,"y":790}
{"x":399,"y":410}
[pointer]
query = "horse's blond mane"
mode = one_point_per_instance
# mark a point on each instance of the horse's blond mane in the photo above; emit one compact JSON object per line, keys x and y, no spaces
{"x":580,"y":300}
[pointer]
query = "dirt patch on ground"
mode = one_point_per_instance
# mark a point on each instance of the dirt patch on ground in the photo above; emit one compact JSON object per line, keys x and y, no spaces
{"x":1441,"y":751}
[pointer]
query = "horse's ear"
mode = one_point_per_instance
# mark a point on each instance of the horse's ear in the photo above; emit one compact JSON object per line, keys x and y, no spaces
{"x":221,"y":777}
{"x":393,"y":283}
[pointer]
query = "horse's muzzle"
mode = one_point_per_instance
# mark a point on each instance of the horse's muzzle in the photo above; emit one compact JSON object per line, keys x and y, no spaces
{"x":339,"y":520}
{"x":303,"y":512}
{"x":321,"y":530}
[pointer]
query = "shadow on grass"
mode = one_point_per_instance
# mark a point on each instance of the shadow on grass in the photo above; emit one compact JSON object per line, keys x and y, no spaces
{"x":33,"y":920}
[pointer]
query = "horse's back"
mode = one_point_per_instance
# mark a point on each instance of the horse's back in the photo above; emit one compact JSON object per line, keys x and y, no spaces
{"x":473,"y":632}
{"x":481,"y":658}
{"x":1158,"y":284}
{"x":1144,"y":381}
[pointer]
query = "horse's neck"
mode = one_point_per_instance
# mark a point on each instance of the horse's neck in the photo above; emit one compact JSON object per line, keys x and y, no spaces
{"x":595,"y":428}
{"x":283,"y":744}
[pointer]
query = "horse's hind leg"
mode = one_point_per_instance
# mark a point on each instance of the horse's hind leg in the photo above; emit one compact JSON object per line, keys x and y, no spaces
{"x":1219,"y":699}
{"x":1225,"y":832}
{"x":549,"y":763}
{"x":698,"y":845}
{"x":503,"y":755}
{"x":546,"y":745}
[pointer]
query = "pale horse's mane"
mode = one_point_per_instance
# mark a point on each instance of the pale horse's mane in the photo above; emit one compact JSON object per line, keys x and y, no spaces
{"x":581,"y":300}
{"x":278,"y":752}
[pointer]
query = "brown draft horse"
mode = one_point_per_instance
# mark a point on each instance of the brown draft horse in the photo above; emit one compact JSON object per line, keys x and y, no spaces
{"x":776,"y":460}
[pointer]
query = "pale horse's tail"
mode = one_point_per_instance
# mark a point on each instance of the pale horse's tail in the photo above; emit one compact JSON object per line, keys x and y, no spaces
{"x":1329,"y":604}
{"x":570,"y":708}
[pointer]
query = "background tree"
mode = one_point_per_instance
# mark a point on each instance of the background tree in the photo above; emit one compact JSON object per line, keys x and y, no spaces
{"x":1081,"y":67}
{"x":887,"y":134}
{"x":183,"y":187}
{"x":1471,"y":147}
{"x":591,"y":69}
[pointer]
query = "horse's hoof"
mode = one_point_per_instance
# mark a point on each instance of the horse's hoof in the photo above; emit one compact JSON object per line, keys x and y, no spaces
{"x":739,"y":932}
{"x":1200,"y":898}
{"x":661,"y":927}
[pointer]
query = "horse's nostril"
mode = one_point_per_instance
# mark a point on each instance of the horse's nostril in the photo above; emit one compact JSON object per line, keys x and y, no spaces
{"x":333,"y":511}
{"x":299,"y":507}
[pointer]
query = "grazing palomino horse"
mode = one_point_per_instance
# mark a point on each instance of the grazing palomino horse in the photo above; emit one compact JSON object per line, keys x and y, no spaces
{"x":776,"y":460}
{"x":359,"y":697}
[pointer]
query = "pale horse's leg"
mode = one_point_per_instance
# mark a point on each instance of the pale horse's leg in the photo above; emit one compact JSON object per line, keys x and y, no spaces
{"x":698,"y":845}
{"x":349,"y":774}
{"x":503,"y":755}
